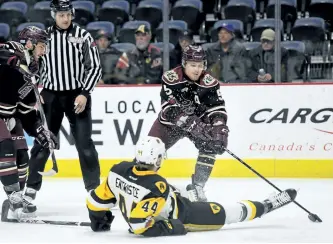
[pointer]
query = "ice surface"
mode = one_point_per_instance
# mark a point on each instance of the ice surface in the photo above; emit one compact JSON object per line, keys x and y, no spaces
{"x":64,"y":199}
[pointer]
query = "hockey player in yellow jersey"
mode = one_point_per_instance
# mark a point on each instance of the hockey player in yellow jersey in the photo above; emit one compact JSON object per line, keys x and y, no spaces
{"x":153,"y":208}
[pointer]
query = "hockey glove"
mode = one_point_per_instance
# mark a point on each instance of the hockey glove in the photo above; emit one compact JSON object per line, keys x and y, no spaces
{"x":166,"y":227}
{"x":220,"y":135}
{"x":17,"y":57}
{"x":195,"y":127}
{"x":9,"y":57}
{"x":43,"y":136}
{"x":100,"y":221}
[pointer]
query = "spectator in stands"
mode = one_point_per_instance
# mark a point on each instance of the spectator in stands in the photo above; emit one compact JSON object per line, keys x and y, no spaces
{"x":142,"y":65}
{"x":225,"y":58}
{"x":109,"y":57}
{"x":262,"y":60}
{"x":183,"y":41}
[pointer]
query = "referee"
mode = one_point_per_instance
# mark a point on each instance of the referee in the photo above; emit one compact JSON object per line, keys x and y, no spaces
{"x":69,"y":73}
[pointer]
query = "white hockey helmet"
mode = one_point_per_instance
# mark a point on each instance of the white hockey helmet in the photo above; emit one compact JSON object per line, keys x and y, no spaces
{"x":150,"y":151}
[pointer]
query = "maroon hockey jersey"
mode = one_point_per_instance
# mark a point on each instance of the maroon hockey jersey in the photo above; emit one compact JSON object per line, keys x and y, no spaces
{"x":204,"y":94}
{"x":17,"y":98}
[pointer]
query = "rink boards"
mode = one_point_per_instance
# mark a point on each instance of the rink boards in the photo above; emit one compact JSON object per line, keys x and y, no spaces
{"x":280,"y":130}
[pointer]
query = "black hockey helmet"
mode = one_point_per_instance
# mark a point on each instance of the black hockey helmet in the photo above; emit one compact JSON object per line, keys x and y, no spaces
{"x":33,"y":34}
{"x":194,"y":53}
{"x":61,"y":5}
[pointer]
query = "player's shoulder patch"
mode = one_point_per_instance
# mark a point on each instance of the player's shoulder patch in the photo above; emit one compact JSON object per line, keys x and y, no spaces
{"x":161,"y":186}
{"x":172,"y":77}
{"x":157,"y":184}
{"x":208,"y":81}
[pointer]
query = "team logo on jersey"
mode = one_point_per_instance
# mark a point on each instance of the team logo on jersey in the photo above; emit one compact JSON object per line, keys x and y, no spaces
{"x":74,"y":39}
{"x":161,"y":186}
{"x":171,"y":75}
{"x":208,"y":79}
{"x":215,"y":208}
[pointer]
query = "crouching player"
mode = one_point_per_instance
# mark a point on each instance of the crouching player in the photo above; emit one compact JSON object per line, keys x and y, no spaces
{"x":153,"y":208}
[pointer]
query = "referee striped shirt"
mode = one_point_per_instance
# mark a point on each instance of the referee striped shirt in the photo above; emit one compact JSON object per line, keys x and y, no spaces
{"x":72,"y":61}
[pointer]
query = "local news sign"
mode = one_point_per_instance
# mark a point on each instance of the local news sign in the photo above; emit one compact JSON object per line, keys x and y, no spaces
{"x":270,"y":121}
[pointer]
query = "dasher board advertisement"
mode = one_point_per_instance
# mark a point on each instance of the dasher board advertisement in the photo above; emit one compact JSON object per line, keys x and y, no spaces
{"x":285,"y":130}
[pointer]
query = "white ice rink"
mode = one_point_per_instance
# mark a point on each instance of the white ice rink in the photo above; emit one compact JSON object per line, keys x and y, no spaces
{"x":65,"y":200}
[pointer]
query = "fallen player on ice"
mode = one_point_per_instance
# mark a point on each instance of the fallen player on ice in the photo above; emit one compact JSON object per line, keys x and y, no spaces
{"x":153,"y":208}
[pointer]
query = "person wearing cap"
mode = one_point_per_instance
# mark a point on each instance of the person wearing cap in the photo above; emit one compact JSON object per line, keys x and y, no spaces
{"x":262,"y":60}
{"x":226,"y":57}
{"x":103,"y":40}
{"x":184,"y":40}
{"x":109,"y":57}
{"x":143,"y":64}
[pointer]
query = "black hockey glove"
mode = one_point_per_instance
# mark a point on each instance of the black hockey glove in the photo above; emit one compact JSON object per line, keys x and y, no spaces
{"x":195,"y":127}
{"x":101,"y":220}
{"x":42,"y":137}
{"x":9,"y":57}
{"x":166,"y":227}
{"x":220,"y":135}
{"x":16,"y":57}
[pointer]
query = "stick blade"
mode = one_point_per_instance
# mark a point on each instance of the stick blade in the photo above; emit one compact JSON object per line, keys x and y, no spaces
{"x":314,"y":218}
{"x":51,"y":172}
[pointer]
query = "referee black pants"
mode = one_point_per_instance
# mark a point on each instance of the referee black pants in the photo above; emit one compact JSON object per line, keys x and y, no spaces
{"x":56,"y":105}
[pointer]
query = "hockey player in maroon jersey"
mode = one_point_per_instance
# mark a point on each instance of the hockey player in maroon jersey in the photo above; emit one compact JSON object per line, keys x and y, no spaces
{"x":17,"y":101}
{"x":193,"y":107}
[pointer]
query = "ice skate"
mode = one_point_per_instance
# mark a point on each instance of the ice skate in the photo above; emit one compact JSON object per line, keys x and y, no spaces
{"x":28,"y":197}
{"x":15,"y":208}
{"x":196,"y":193}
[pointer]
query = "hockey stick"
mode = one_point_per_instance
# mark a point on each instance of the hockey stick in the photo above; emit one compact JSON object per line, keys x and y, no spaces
{"x":50,"y":222}
{"x":313,"y":217}
{"x":54,"y":169}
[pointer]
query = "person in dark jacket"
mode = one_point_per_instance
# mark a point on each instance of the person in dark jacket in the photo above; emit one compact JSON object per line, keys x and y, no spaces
{"x":262,"y":60}
{"x":226,"y":58}
{"x":109,"y":57}
{"x":143,"y":64}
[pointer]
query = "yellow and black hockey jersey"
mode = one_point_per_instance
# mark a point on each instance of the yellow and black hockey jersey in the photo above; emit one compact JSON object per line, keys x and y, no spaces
{"x":151,"y":207}
{"x":143,"y":196}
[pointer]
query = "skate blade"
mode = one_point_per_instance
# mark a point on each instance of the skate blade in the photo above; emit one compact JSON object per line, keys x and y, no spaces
{"x":7,"y":215}
{"x":51,"y":172}
{"x":4,"y":211}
